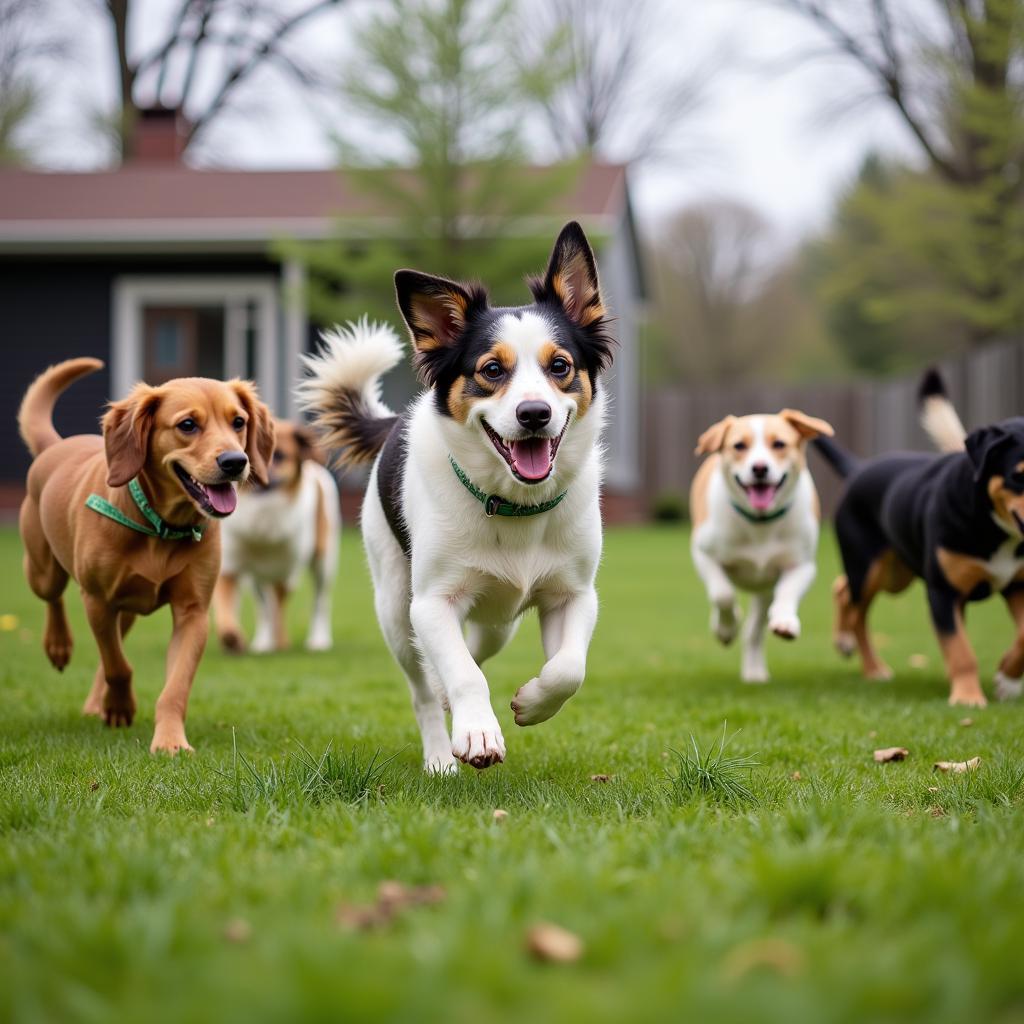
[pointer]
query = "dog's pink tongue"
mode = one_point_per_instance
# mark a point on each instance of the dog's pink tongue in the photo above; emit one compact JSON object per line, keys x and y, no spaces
{"x":223,"y":498}
{"x":761,"y":498}
{"x":532,"y":457}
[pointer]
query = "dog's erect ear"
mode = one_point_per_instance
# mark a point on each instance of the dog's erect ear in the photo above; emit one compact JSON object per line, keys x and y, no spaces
{"x":309,"y":446}
{"x":259,"y":432}
{"x":127,"y":424}
{"x":434,"y":308}
{"x":571,"y":277}
{"x":983,"y":445}
{"x":713,"y":438}
{"x":806,"y":426}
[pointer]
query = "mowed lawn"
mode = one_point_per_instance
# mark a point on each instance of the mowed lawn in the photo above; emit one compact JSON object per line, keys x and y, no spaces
{"x":209,"y":888}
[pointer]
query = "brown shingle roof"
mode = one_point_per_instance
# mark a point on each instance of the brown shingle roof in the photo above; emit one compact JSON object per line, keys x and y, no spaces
{"x":179,"y":203}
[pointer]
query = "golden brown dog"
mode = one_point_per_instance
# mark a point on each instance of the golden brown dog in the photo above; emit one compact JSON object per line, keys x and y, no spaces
{"x":187,"y":443}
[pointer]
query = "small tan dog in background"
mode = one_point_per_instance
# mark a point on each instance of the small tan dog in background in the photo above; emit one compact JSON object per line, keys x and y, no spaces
{"x":755,"y":526}
{"x":183,"y":447}
{"x":291,"y":524}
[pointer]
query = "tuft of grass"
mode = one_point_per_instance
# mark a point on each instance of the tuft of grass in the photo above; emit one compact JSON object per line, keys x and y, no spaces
{"x":713,"y":774}
{"x":304,"y":778}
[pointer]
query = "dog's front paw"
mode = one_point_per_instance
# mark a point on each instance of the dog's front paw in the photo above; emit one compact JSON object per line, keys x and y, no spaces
{"x":170,"y":739}
{"x":725,"y":621}
{"x":58,"y":646}
{"x":232,"y":641}
{"x":441,"y":763}
{"x":783,"y":624}
{"x":477,"y":739}
{"x":845,"y":643}
{"x":541,"y":698}
{"x":1007,"y":688}
{"x":318,"y":641}
{"x":118,"y":707}
{"x":755,"y":674}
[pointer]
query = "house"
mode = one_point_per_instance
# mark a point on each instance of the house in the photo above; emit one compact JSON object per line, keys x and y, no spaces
{"x":162,"y":270}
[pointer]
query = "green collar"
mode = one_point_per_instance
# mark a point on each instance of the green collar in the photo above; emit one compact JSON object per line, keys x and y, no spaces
{"x":777,"y":514}
{"x":494,"y":505}
{"x":157,"y":527}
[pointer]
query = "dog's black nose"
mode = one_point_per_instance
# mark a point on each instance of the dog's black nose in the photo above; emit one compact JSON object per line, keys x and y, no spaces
{"x":760,"y":470}
{"x":533,"y":415}
{"x":232,"y":463}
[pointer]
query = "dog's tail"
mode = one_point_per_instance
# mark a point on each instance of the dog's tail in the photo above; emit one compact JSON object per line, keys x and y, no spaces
{"x":938,"y":416}
{"x":845,"y":463}
{"x":35,"y":417}
{"x":342,"y":388}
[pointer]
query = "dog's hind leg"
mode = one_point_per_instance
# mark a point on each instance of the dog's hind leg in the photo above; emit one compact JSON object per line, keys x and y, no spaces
{"x":754,"y":667}
{"x":118,"y":699}
{"x":225,"y":613}
{"x":268,"y":618}
{"x":48,"y":580}
{"x":486,"y":641}
{"x":319,"y":637}
{"x":1009,"y":684}
{"x":97,"y":694}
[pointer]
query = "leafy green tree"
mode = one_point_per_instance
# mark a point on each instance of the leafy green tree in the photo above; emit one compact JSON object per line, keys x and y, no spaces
{"x":942,"y":248}
{"x":435,"y":105}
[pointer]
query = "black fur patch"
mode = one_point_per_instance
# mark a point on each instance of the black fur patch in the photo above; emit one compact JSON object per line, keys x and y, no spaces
{"x":352,"y":428}
{"x":390,"y":474}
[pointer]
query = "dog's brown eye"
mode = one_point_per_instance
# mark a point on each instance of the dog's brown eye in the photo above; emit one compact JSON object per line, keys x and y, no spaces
{"x":740,"y":446}
{"x":188,"y":426}
{"x":278,"y":457}
{"x":238,"y":423}
{"x":559,"y":367}
{"x":493,"y":370}
{"x":778,"y":445}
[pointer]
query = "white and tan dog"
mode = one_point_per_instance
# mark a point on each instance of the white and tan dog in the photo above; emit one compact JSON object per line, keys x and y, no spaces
{"x":755,"y":526}
{"x":483,"y":501}
{"x":280,"y":530}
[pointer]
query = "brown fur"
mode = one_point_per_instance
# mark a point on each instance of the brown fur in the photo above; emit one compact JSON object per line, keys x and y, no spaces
{"x":1004,"y":501}
{"x":962,"y":572}
{"x":1013,"y":661}
{"x":961,"y":665}
{"x":122,"y":573}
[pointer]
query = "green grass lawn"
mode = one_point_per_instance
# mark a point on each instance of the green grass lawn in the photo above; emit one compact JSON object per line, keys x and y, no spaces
{"x":208,"y":888}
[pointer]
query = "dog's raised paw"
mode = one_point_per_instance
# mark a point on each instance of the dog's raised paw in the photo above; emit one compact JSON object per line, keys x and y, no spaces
{"x":478,"y":743}
{"x":725,"y":622}
{"x":1007,"y":688}
{"x":784,"y":625}
{"x":58,"y":650}
{"x":534,"y":702}
{"x":755,"y":676}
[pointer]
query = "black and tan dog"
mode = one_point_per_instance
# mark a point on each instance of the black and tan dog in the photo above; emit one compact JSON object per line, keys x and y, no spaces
{"x":954,"y":520}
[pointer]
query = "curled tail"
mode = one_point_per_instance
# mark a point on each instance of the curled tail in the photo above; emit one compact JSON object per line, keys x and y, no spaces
{"x":35,"y":417}
{"x":843,"y":462}
{"x":938,"y":416}
{"x":342,"y":388}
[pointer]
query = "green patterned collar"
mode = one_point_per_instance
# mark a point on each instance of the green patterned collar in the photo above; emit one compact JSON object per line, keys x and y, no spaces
{"x":770,"y":517}
{"x":156,"y":528}
{"x":495,"y":505}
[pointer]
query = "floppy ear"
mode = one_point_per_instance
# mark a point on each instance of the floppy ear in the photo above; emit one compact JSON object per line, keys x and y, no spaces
{"x":434,"y":308}
{"x":982,"y":446}
{"x":127,"y":425}
{"x":259,"y":433}
{"x":806,"y":426}
{"x":714,"y":437}
{"x":309,"y":447}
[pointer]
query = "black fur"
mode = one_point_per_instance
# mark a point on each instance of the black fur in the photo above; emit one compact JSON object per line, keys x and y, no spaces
{"x":353,"y":428}
{"x":915,"y":504}
{"x":390,"y":474}
{"x":932,"y":386}
{"x":843,"y":462}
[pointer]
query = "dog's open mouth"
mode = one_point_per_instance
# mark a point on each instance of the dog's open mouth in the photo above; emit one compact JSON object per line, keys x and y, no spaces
{"x":213,"y":499}
{"x":761,"y":495}
{"x":531,"y":459}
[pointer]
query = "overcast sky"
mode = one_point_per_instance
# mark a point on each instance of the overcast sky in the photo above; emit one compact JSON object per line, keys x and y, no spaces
{"x":760,"y":137}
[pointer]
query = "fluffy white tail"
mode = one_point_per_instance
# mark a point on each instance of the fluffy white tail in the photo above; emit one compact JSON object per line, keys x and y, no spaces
{"x":938,"y":416}
{"x":342,"y":388}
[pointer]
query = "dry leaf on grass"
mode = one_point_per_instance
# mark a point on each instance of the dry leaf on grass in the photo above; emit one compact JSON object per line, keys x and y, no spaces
{"x":392,"y":899}
{"x":600,"y":778}
{"x":918,"y":661}
{"x":796,"y":776}
{"x":936,"y":812}
{"x":94,"y":785}
{"x":238,"y":930}
{"x":553,"y":944}
{"x":887,"y":754}
{"x":957,"y":767}
{"x":499,"y":814}
{"x":967,"y":722}
{"x":770,"y":954}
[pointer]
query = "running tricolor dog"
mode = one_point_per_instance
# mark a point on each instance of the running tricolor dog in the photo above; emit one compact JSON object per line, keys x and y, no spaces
{"x":483,"y":497}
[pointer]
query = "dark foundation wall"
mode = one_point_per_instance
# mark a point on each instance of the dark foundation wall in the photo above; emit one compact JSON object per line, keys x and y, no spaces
{"x":58,"y":308}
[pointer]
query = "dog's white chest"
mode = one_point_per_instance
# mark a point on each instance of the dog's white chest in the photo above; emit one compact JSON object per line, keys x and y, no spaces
{"x":1005,"y":565}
